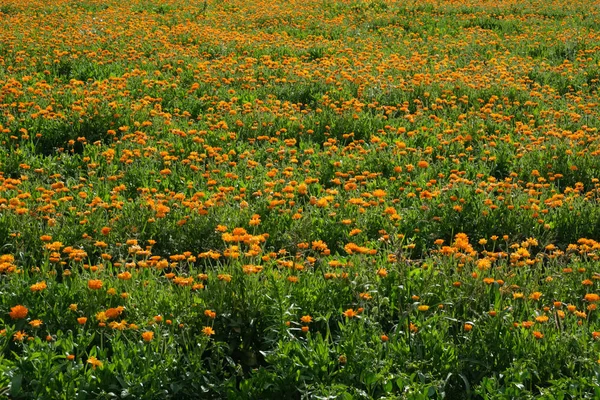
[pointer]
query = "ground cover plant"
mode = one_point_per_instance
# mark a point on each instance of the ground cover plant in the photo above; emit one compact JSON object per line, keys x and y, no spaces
{"x":304,"y":199}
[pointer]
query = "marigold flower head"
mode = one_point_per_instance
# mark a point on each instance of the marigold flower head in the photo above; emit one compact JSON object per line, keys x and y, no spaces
{"x":382,"y":272}
{"x":36,"y":323}
{"x":307,"y":319}
{"x":95,"y":362}
{"x":350,"y":313}
{"x":527,"y":324}
{"x":118,"y":325}
{"x":101,"y":317}
{"x":208,"y":331}
{"x":147,"y":336}
{"x":18,"y":312}
{"x":541,"y":318}
{"x":591,"y":297}
{"x":365,"y":296}
{"x":124,"y":275}
{"x":114,"y":312}
{"x":94,"y":284}
{"x":535,"y":295}
{"x":38,"y":287}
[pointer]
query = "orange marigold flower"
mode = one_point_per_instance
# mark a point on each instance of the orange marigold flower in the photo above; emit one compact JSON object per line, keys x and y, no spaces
{"x":118,"y":325}
{"x":94,"y":284}
{"x":18,"y":312}
{"x":423,"y":307}
{"x":124,"y":275}
{"x":81,"y":320}
{"x":19,"y":336}
{"x":210,"y":314}
{"x":101,"y":317}
{"x":535,"y":295}
{"x":38,"y":287}
{"x":384,"y":338}
{"x":468,"y":327}
{"x":591,"y":297}
{"x":95,"y":362}
{"x":538,"y":334}
{"x":221,"y":228}
{"x":147,"y":336}
{"x":36,"y":323}
{"x":208,"y":331}
{"x":115,"y":312}
{"x":307,"y":319}
{"x":349,"y":313}
{"x":304,"y":329}
{"x":527,"y":324}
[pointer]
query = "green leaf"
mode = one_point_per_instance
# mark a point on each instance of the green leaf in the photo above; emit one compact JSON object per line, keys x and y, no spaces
{"x":15,"y":385}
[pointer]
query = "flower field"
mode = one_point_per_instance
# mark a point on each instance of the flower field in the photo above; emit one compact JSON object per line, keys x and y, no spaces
{"x":317,"y":199}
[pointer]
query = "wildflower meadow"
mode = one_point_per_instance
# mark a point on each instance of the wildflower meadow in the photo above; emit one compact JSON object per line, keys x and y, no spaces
{"x":316,"y":199}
